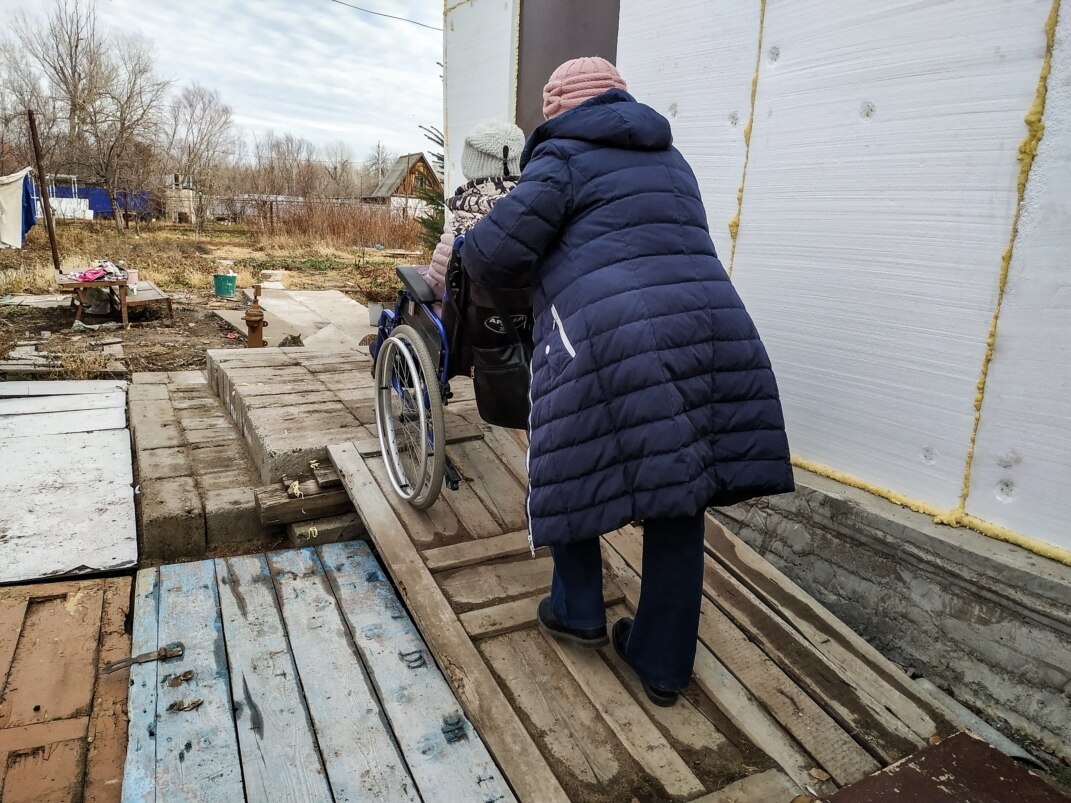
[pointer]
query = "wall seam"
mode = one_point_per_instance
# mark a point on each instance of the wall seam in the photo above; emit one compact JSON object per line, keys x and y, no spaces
{"x":1027,"y":151}
{"x":939,"y":515}
{"x":734,"y":223}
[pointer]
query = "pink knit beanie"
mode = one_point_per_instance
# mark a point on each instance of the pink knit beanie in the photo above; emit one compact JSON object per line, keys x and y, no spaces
{"x":579,"y":80}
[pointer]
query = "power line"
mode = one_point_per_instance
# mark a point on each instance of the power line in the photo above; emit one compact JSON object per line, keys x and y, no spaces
{"x":388,"y":16}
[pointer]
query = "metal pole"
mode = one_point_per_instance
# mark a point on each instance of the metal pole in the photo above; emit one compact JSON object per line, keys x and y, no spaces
{"x":42,"y":182}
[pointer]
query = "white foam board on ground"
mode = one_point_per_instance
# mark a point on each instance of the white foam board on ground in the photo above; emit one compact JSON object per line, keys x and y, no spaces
{"x":880,"y":192}
{"x":16,"y":427}
{"x":1022,"y":458}
{"x":33,"y":405}
{"x":60,"y":387}
{"x":68,"y":505}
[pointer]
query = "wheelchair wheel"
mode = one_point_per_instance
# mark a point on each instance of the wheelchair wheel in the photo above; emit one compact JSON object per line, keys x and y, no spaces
{"x":409,"y":417}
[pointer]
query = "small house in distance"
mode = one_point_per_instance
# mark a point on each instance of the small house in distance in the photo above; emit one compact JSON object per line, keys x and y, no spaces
{"x":399,"y":187}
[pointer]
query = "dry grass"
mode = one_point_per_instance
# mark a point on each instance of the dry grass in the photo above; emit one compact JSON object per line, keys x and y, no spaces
{"x":174,"y":258}
{"x":317,"y":223}
{"x":75,"y":360}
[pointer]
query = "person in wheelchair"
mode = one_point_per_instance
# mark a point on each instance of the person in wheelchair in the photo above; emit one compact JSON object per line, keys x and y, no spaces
{"x":652,"y":396}
{"x":490,"y":162}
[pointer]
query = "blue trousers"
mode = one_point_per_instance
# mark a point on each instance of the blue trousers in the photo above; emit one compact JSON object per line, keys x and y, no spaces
{"x":661,"y":644}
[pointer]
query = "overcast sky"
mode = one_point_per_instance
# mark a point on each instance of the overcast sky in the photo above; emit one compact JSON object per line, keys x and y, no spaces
{"x":315,"y":68}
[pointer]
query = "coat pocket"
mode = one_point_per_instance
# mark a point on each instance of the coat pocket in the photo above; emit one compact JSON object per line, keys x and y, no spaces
{"x":567,"y":344}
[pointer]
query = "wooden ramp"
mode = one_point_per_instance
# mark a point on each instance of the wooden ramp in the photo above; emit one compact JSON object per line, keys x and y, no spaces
{"x":62,"y":720}
{"x":785,"y":698}
{"x":67,"y":480}
{"x":301,"y":679}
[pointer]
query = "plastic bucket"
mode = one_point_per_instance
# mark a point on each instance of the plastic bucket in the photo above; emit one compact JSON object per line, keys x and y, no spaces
{"x":225,"y":285}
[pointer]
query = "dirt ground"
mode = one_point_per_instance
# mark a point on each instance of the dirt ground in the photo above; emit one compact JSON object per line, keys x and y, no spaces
{"x":150,"y":344}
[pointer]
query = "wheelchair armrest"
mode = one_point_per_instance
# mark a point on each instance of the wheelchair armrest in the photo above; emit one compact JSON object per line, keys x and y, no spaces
{"x":415,"y":284}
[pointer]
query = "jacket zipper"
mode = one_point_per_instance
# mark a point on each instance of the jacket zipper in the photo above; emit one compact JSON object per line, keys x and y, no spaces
{"x":561,"y":330}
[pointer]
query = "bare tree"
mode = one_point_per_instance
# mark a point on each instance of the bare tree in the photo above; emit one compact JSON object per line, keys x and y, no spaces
{"x":201,"y":135}
{"x":339,"y":167}
{"x":128,"y":109}
{"x":378,"y":161}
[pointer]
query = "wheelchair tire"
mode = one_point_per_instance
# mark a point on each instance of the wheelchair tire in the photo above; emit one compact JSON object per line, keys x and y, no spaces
{"x":404,"y":365}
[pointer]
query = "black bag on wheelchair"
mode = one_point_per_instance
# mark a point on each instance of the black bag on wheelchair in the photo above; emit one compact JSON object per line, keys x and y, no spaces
{"x":489,"y":335}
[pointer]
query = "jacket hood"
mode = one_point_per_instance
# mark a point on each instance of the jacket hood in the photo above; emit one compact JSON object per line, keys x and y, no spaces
{"x":613,"y":119}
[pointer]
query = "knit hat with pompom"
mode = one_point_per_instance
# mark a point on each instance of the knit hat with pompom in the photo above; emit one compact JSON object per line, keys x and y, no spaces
{"x":579,"y":80}
{"x":483,"y":155}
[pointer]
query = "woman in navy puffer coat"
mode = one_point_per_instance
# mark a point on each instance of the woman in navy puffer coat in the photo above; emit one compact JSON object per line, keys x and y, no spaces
{"x":652,"y":394}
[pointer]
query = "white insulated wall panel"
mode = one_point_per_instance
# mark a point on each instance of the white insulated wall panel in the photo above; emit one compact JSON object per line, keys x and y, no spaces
{"x":1021,"y":477}
{"x":880,"y":192}
{"x":693,"y":61}
{"x":480,"y":71}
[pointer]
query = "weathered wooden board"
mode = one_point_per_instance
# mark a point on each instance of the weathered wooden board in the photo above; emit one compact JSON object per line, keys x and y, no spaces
{"x":360,"y":756}
{"x":484,"y":702}
{"x":60,"y":388}
{"x":468,"y":553}
{"x":280,"y":760}
{"x":195,"y":740}
{"x":443,"y":753}
{"x":139,"y":774}
{"x":13,"y":427}
{"x":33,"y":405}
{"x":87,"y":476}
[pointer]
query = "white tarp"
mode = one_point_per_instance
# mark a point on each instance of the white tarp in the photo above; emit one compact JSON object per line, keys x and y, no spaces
{"x":11,"y":209}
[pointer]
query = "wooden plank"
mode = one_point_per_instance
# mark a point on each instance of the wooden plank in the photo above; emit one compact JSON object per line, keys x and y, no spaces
{"x":489,"y":583}
{"x":200,"y":743}
{"x":509,"y":451}
{"x":589,"y":758}
{"x":34,"y":405}
{"x":771,"y":786}
{"x":840,"y":696}
{"x":22,"y":426}
{"x":631,"y":724}
{"x":429,"y":526}
{"x":446,"y":757}
{"x":44,"y":684}
{"x":108,"y":722}
{"x":326,"y":476}
{"x":48,"y":774}
{"x":139,"y":773}
{"x":275,"y":506}
{"x":484,"y":702}
{"x":60,"y":387}
{"x":725,"y":690}
{"x":492,"y":482}
{"x":359,"y":754}
{"x":836,"y":752}
{"x":12,"y":614}
{"x":39,"y":734}
{"x":855,"y":657}
{"x":467,"y":553}
{"x":278,"y":750}
{"x":328,"y":530}
{"x":371,"y":447}
{"x":516,"y":614}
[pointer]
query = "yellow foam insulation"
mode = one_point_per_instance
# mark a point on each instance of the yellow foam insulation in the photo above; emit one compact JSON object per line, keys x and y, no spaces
{"x":734,"y":224}
{"x":951,"y":518}
{"x":1035,"y":130}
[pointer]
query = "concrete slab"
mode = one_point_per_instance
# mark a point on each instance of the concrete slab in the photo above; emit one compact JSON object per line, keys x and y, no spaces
{"x":154,"y":433}
{"x":217,"y":435}
{"x":162,"y":464}
{"x":149,"y":378}
{"x":208,"y":458}
{"x":277,"y":331}
{"x":172,"y":519}
{"x":186,"y":378}
{"x":230,"y":516}
{"x":144,"y":392}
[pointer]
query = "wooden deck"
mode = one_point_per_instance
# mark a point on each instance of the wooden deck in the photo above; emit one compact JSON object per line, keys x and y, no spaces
{"x":301,"y":679}
{"x":62,"y":721}
{"x":785,"y":698}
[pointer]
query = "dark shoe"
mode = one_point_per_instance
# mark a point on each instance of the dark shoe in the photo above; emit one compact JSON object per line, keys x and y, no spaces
{"x":591,"y":637}
{"x":658,"y":696}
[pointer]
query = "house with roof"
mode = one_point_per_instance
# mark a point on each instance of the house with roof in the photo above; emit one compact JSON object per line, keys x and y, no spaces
{"x":404,"y":182}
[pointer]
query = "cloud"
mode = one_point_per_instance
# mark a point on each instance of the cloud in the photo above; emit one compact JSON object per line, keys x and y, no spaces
{"x":313,"y":68}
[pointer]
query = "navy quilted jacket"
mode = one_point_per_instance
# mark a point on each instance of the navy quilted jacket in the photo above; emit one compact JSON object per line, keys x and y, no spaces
{"x":652,"y":395}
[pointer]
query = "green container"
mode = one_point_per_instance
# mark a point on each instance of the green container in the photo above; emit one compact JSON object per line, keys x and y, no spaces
{"x":225,"y":285}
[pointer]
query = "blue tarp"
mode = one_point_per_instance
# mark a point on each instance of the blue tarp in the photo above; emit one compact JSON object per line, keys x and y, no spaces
{"x":29,"y":208}
{"x":139,"y":202}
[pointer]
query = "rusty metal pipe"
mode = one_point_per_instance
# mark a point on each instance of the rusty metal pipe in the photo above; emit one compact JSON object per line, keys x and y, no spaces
{"x":254,"y":321}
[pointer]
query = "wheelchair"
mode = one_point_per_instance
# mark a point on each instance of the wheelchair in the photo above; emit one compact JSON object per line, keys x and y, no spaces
{"x":410,"y":357}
